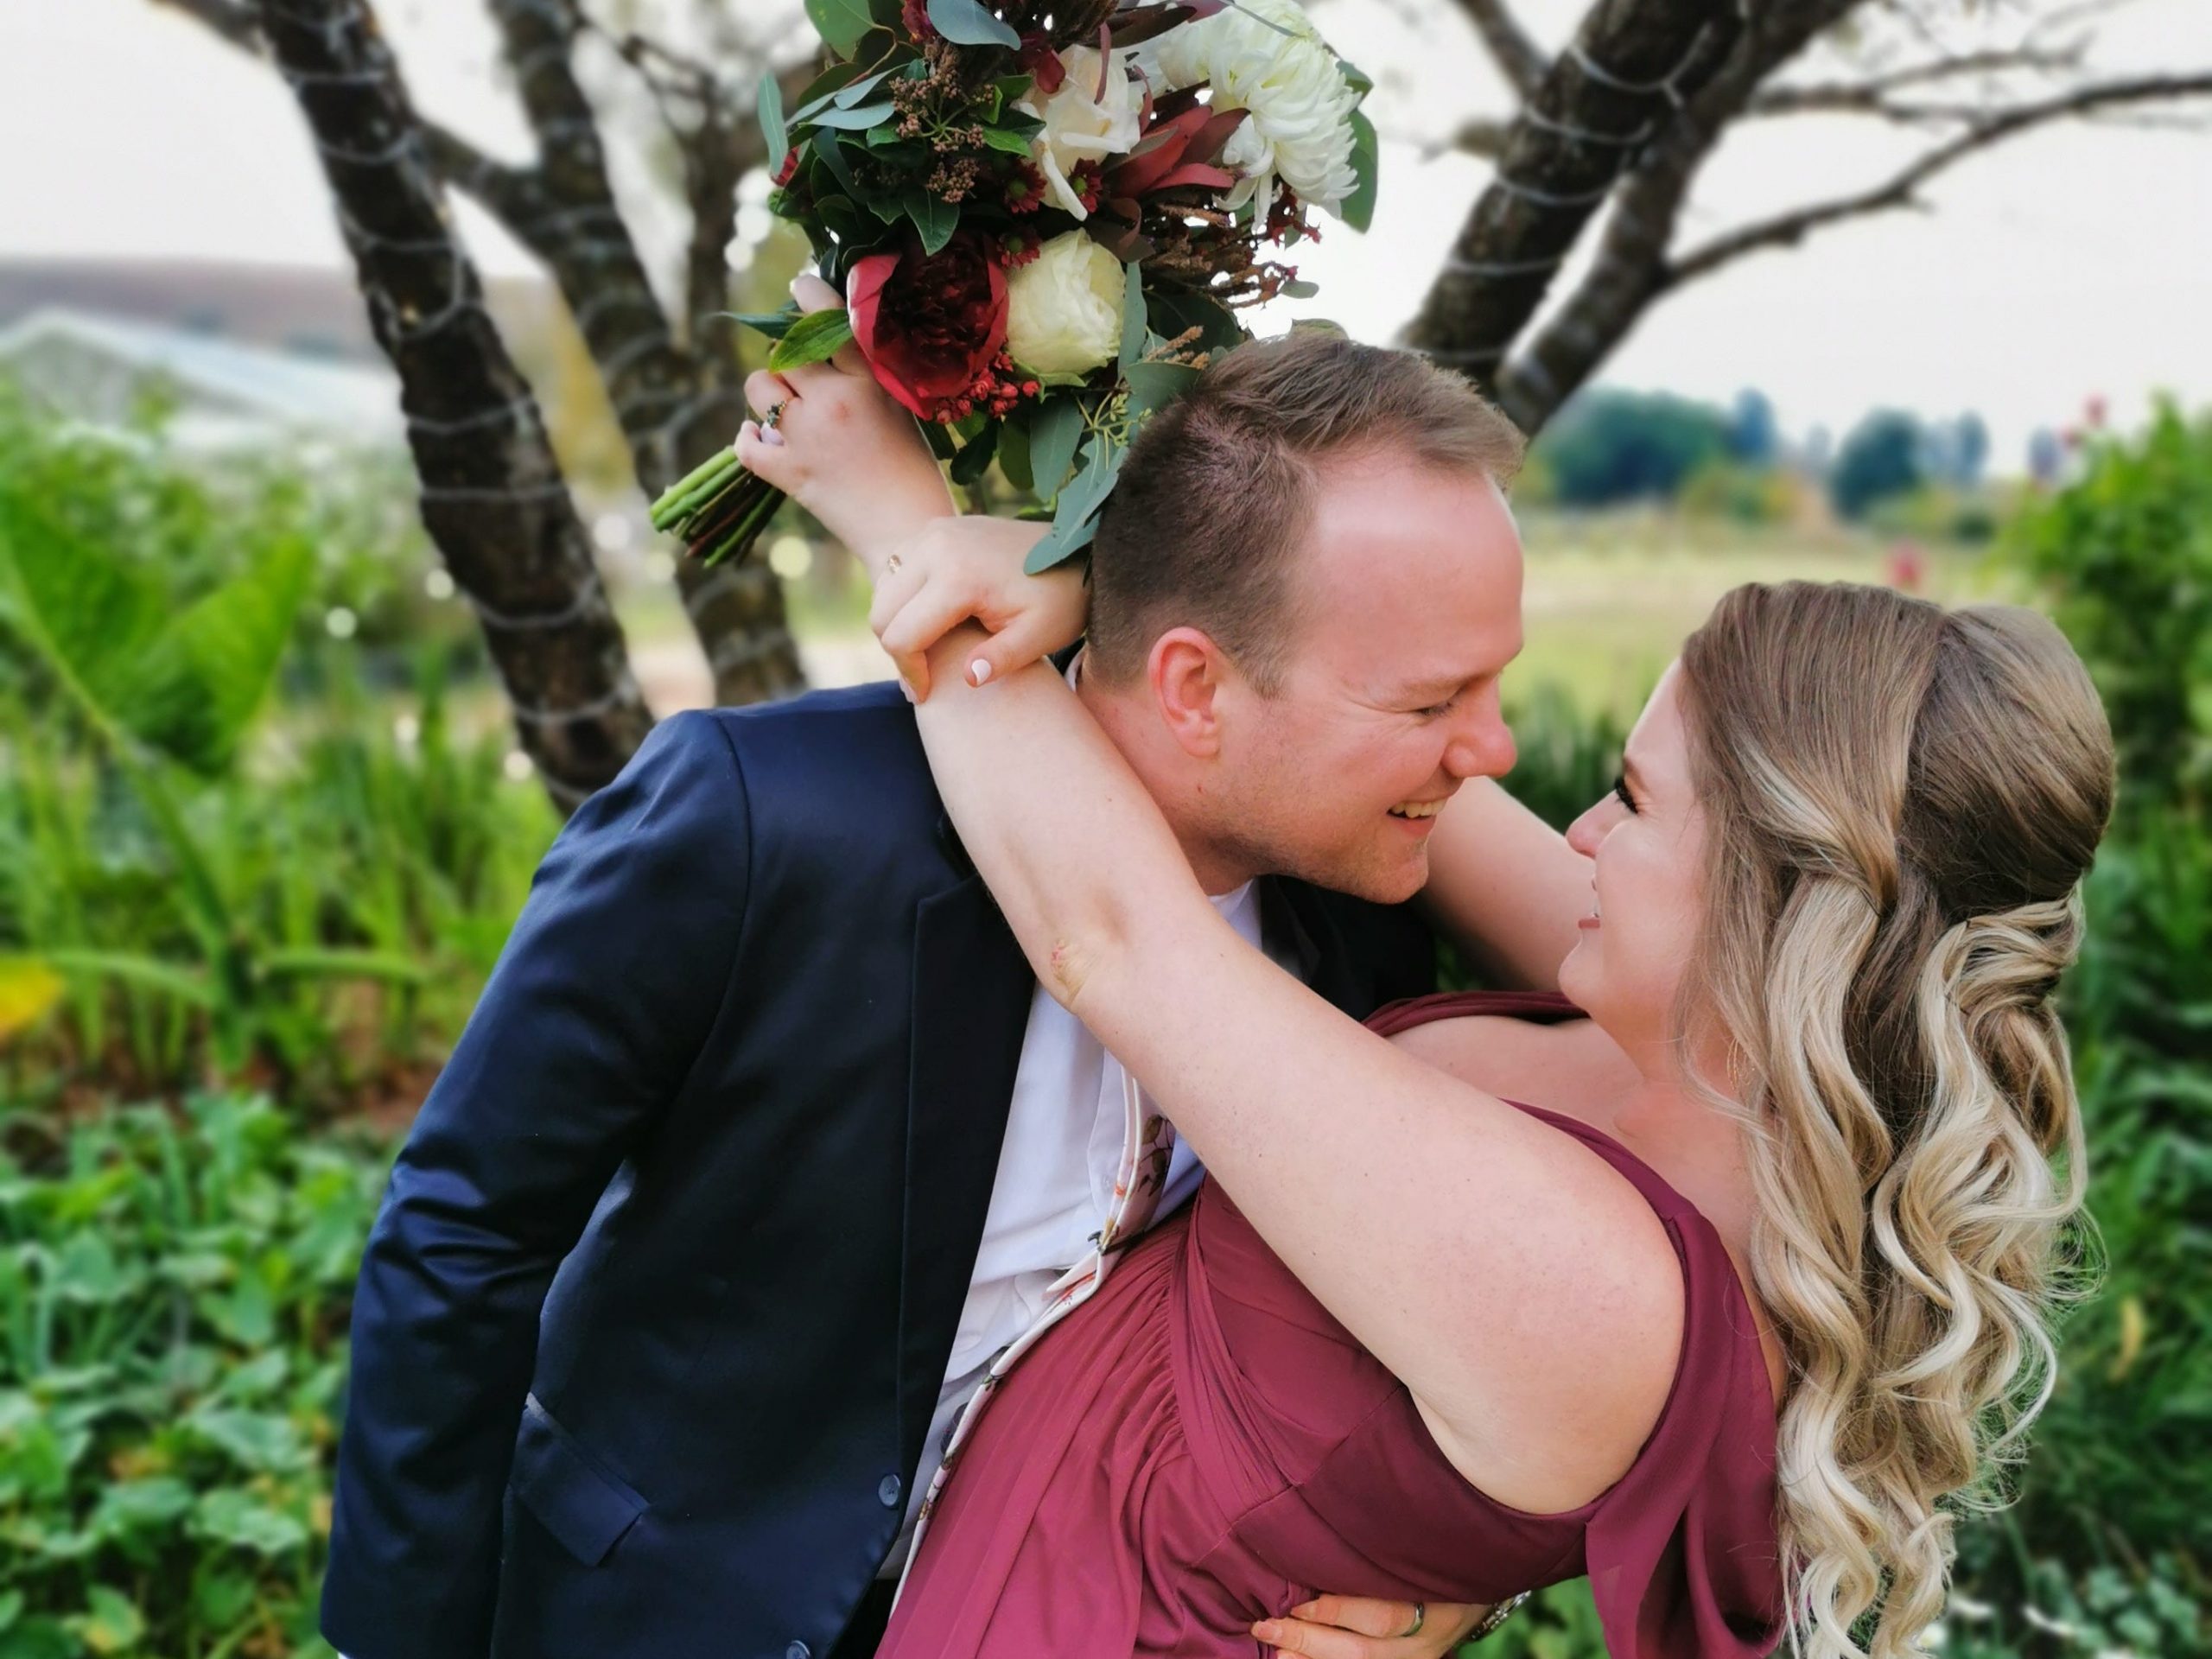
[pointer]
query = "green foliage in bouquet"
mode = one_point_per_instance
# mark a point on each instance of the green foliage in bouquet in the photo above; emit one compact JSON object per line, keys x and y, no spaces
{"x":1045,"y":219}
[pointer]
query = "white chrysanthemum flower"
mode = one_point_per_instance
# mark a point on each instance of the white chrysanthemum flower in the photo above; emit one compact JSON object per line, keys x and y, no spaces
{"x":1265,"y":56}
{"x":1064,"y":307}
{"x":1081,"y":125}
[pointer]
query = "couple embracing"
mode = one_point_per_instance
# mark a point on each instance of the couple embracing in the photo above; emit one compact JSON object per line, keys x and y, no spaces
{"x":1007,"y":1149}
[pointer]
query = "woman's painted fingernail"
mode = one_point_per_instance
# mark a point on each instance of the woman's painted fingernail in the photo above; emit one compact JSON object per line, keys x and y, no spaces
{"x":769,"y":435}
{"x":978,"y":672}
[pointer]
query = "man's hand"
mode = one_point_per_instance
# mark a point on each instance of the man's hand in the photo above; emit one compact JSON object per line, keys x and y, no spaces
{"x":1350,"y":1627}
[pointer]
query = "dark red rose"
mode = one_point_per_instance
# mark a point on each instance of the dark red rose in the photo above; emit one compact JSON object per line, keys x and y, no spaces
{"x":1038,"y":57}
{"x":789,"y":170}
{"x":915,"y":14}
{"x":930,"y":324}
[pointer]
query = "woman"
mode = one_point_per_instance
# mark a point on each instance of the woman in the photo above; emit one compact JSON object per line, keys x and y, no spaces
{"x":1724,"y":1335}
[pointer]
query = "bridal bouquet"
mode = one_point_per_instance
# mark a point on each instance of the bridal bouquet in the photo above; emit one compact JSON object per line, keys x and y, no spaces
{"x":1045,"y":216}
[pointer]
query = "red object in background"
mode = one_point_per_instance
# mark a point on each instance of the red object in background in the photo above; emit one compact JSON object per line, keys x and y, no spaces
{"x":2093,"y":414}
{"x":930,"y":324}
{"x":1906,"y":568}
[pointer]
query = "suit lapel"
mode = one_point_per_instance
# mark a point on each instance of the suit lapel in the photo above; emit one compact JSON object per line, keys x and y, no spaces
{"x":972,"y":991}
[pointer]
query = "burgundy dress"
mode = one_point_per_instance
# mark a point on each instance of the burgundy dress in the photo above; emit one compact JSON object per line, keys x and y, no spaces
{"x":1203,"y":1445}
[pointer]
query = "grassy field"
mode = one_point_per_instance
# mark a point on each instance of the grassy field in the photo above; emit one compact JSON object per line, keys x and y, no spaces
{"x":1608,"y":598}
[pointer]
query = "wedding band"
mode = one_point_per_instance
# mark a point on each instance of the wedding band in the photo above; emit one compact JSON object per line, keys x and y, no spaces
{"x":774,"y":417}
{"x":1420,"y":1617}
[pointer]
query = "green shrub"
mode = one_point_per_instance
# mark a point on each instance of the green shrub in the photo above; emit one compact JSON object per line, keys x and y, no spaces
{"x":174,"y":1291}
{"x":2125,"y":557}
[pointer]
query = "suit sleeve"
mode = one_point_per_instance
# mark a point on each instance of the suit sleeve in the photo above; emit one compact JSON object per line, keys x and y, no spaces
{"x":605,"y":995}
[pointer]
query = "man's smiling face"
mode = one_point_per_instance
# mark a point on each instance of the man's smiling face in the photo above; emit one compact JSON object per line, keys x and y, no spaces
{"x":1407,"y":610}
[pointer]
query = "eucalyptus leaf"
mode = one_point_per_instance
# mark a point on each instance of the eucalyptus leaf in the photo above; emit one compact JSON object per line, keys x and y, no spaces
{"x":1155,"y":385}
{"x":1005,"y":139}
{"x":770,"y":108}
{"x":840,"y":22}
{"x":830,"y":149}
{"x":823,"y":88}
{"x":1133,"y":315}
{"x":1054,"y":434}
{"x":965,"y":22}
{"x":1059,"y":545}
{"x":857,"y":118}
{"x":770,"y":323}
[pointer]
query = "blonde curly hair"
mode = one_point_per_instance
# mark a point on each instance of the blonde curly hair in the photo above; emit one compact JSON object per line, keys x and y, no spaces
{"x":1901,"y":804}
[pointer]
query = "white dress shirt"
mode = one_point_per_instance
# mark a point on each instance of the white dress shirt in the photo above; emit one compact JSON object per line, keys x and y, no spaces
{"x":1063,"y":1133}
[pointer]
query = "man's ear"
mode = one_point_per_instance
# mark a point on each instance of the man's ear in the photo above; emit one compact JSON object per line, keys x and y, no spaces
{"x":1187,"y":673}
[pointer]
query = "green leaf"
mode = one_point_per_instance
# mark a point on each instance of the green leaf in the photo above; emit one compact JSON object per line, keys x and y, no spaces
{"x":142,"y":1505}
{"x":258,"y":1441}
{"x":1155,"y":385}
{"x":111,"y":1624}
{"x":11,"y":1609}
{"x":200,"y":683}
{"x":861,"y":116}
{"x":1358,"y":209}
{"x":1013,"y":454}
{"x":815,"y":338}
{"x":845,"y":97}
{"x":1012,"y":143}
{"x":975,"y":457}
{"x":824,"y":88}
{"x":964,"y":23}
{"x":1058,"y":546}
{"x":40,"y":1638}
{"x":935,"y":219}
{"x":1054,"y":432}
{"x":770,"y":323}
{"x":1176,"y":314}
{"x":770,"y":108}
{"x":1133,"y":315}
{"x":840,"y":22}
{"x":1299,"y":288}
{"x":231,"y":1516}
{"x":830,"y":149}
{"x":1355,"y":77}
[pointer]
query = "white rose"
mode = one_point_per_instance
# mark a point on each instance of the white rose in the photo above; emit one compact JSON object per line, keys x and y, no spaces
{"x":1298,"y":129}
{"x":1064,"y":307}
{"x":1081,"y":126}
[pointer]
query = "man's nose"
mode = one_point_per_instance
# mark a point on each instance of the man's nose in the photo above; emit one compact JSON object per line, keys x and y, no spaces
{"x":1485,"y":749}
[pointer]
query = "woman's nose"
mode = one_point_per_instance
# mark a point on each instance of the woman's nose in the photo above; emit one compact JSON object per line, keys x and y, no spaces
{"x":1586,"y":832}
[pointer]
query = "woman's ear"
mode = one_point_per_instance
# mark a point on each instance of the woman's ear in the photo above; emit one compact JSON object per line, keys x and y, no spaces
{"x":1187,"y":673}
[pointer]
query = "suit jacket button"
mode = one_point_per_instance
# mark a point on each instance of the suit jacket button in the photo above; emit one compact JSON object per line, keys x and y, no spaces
{"x":890,"y":1491}
{"x":798,"y":1650}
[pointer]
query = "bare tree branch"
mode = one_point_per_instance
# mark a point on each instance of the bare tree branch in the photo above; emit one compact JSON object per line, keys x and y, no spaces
{"x":1629,"y":68}
{"x":1517,"y":55}
{"x":1876,"y":94}
{"x":1786,"y":230}
{"x":1629,"y":270}
{"x":1480,"y":137}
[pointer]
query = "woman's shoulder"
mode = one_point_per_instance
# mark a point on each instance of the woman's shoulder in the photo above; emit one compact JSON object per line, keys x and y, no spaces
{"x":1535,"y":1050}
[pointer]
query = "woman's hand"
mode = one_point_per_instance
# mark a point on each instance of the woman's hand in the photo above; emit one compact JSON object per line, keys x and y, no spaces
{"x":1348,"y":1627}
{"x":954,"y":569}
{"x":841,"y":449}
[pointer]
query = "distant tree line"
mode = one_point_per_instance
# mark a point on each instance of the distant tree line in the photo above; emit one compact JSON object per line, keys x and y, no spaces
{"x":1611,"y":448}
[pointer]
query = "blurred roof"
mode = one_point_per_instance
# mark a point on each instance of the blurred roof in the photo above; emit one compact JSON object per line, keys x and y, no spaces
{"x":97,"y":369}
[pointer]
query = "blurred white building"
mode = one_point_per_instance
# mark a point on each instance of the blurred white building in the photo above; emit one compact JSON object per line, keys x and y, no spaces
{"x":226,"y":395}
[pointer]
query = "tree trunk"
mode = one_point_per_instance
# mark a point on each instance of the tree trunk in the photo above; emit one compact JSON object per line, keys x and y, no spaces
{"x":676,"y":405}
{"x":493,"y":498}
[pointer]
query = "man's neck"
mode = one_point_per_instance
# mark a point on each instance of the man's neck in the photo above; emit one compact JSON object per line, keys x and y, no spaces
{"x":1164,"y":770}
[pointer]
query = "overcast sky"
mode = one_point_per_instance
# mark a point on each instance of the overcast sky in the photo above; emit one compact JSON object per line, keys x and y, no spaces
{"x":2071,"y":262}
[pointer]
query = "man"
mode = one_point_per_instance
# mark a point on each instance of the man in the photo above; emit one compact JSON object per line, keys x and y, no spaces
{"x":763,"y":1146}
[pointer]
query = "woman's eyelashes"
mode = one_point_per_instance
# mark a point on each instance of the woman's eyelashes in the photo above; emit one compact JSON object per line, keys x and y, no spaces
{"x":1620,"y":792}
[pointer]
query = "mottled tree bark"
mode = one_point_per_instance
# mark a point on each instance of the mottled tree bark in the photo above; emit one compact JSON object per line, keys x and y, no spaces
{"x":494,"y":497}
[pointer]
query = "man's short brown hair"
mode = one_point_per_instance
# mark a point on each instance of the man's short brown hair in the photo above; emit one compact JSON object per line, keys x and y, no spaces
{"x":1203,"y":527}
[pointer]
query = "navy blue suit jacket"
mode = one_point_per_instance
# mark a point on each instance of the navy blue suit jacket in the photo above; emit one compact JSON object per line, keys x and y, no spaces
{"x":652,"y":1323}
